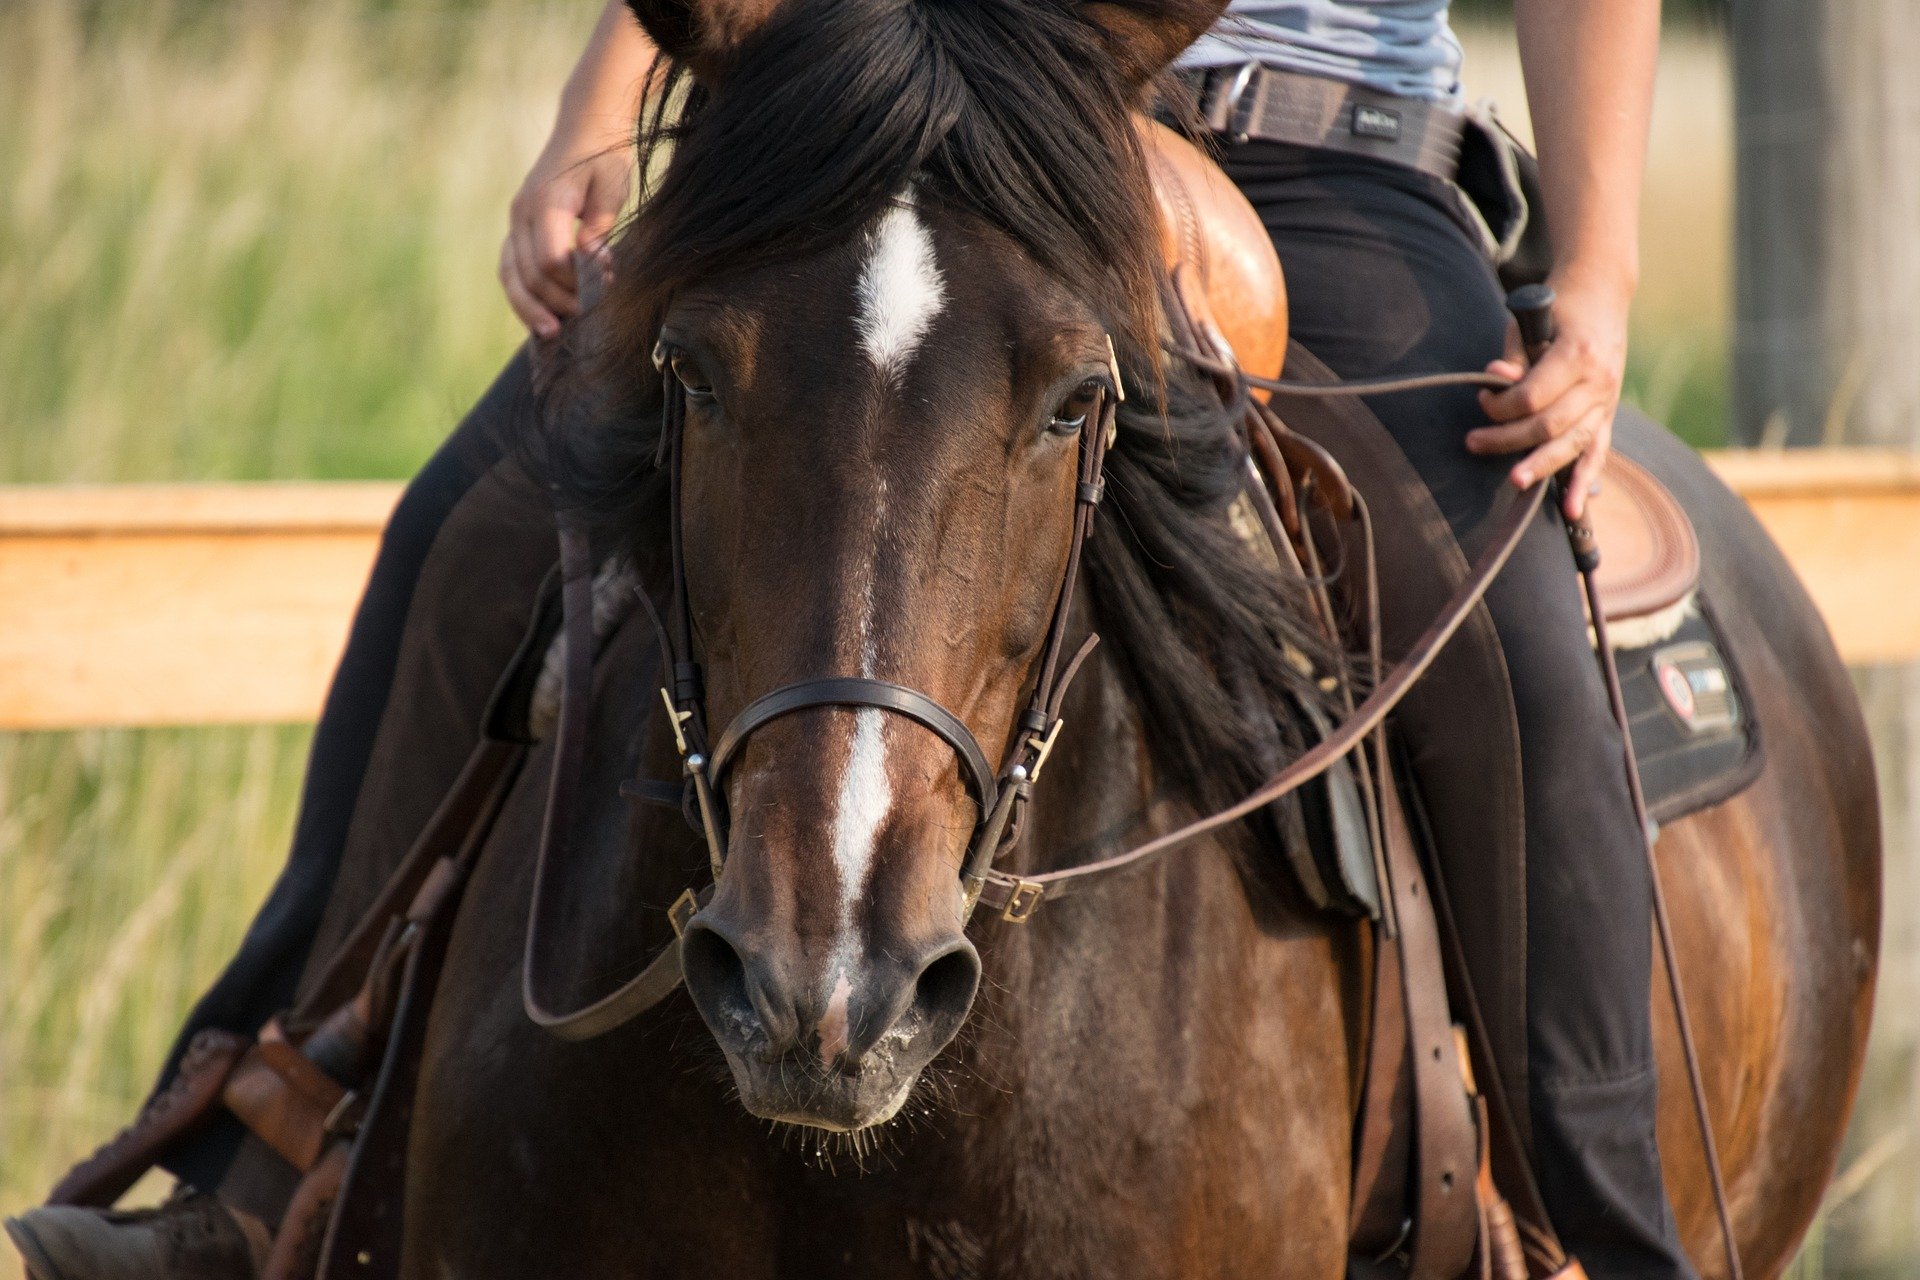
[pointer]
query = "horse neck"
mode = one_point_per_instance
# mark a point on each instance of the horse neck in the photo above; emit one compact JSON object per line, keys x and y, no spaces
{"x":1147,"y":935}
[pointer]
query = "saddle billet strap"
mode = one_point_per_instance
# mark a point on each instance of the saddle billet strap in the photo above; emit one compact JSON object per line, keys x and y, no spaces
{"x":1446,"y":1143}
{"x":1513,"y":1169}
{"x":1001,"y":889}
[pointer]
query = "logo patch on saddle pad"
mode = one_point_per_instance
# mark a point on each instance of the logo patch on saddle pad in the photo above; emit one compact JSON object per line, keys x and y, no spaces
{"x":1376,"y":122}
{"x":1694,"y":681}
{"x":1695,"y":738}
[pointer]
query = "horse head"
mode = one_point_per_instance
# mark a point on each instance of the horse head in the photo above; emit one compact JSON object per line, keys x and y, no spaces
{"x":885,"y":306}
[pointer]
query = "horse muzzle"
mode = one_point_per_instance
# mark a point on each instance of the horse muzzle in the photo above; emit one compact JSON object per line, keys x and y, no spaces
{"x":834,"y":1047}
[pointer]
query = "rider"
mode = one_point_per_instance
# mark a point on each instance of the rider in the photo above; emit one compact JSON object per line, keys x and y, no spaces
{"x":1387,"y":273}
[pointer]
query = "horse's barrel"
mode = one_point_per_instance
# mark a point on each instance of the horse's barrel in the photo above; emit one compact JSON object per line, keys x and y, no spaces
{"x":1227,"y":270}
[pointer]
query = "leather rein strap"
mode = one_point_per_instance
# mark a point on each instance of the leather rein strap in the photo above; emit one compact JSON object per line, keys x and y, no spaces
{"x":1351,"y":733}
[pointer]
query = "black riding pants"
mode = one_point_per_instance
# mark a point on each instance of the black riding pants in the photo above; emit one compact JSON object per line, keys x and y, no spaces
{"x":451,"y":594}
{"x":1384,"y":277}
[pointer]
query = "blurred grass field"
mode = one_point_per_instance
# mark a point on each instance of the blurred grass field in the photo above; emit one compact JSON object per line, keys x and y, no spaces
{"x":257,"y":241}
{"x":236,"y":242}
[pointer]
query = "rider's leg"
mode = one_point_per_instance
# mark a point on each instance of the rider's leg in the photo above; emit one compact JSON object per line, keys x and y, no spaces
{"x":449,"y":598}
{"x":1383,"y":277}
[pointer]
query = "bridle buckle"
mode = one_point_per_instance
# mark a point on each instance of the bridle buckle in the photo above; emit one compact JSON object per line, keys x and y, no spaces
{"x":1022,"y":902}
{"x":1042,"y":748}
{"x":682,"y":911}
{"x":675,"y":719}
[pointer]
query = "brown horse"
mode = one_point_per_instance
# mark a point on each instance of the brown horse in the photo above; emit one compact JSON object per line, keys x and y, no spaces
{"x":884,"y":262}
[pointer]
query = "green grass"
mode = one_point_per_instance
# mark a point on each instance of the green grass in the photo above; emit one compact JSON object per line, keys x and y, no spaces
{"x":132,"y":862}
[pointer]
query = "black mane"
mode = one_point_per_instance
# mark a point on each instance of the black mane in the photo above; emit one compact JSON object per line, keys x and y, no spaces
{"x":1012,"y":110}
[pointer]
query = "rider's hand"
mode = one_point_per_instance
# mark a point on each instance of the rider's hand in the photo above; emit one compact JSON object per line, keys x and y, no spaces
{"x":1561,"y":410}
{"x":570,"y":200}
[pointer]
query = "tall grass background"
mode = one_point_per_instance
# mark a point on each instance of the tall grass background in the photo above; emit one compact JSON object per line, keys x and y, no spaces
{"x":257,"y":241}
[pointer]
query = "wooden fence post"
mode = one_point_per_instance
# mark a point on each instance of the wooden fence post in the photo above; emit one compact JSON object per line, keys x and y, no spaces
{"x":1827,"y":255}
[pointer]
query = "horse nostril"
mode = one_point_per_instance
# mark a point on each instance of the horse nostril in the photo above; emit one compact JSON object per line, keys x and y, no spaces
{"x":944,"y":991}
{"x":716,"y":978}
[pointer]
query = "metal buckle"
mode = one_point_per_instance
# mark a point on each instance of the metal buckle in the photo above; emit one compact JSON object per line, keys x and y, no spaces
{"x":676,"y":718}
{"x":682,"y":911}
{"x":1232,"y":121}
{"x":1021,"y":902}
{"x":1043,"y":747}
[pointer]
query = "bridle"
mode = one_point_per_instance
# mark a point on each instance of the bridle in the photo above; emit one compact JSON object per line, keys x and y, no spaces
{"x":1000,"y":798}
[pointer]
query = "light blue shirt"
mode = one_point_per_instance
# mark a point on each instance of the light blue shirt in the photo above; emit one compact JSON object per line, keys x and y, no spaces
{"x":1402,"y":47}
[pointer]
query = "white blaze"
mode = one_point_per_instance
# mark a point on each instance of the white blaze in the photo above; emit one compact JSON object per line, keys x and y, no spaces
{"x":898,"y":294}
{"x":900,"y":290}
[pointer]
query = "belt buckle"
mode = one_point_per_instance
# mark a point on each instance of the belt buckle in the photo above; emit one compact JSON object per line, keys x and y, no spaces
{"x":1022,"y":902}
{"x":1226,"y":113}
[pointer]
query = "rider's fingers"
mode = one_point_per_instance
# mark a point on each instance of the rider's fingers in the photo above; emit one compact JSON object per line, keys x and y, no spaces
{"x":540,"y":321}
{"x":600,"y":211}
{"x":1543,"y":385}
{"x":1515,"y":349}
{"x":1558,"y":452}
{"x":556,"y":296}
{"x":1585,"y":480}
{"x":1508,"y":370}
{"x":553,"y":240}
{"x":1528,"y":433}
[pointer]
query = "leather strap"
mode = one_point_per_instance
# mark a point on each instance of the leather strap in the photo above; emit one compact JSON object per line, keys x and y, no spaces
{"x":662,"y":974}
{"x":861,"y":691}
{"x":1256,"y":101}
{"x":1001,"y":889}
{"x":1446,"y":1145}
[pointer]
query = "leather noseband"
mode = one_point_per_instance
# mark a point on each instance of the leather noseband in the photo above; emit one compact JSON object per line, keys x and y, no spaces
{"x":861,"y":691}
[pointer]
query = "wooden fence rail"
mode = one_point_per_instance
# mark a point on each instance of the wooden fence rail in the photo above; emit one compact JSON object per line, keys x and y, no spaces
{"x":210,"y":604}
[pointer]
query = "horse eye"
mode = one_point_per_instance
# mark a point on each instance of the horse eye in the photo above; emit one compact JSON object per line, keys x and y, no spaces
{"x":1071,"y":416}
{"x":696,"y":383}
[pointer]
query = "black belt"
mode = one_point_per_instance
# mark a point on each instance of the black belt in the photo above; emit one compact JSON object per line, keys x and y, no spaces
{"x":1255,"y":101}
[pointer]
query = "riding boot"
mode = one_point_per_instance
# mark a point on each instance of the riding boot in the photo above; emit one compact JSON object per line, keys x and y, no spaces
{"x":192,"y":1236}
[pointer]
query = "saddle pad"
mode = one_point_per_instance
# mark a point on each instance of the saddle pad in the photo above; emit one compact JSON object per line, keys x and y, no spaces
{"x":1696,"y":740}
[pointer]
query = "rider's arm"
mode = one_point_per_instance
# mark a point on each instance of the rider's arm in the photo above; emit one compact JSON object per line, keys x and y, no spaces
{"x":573,"y":194}
{"x":1589,"y":67}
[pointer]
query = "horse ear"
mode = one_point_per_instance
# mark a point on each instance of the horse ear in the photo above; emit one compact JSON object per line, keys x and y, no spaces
{"x":703,"y":35}
{"x":1147,"y":35}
